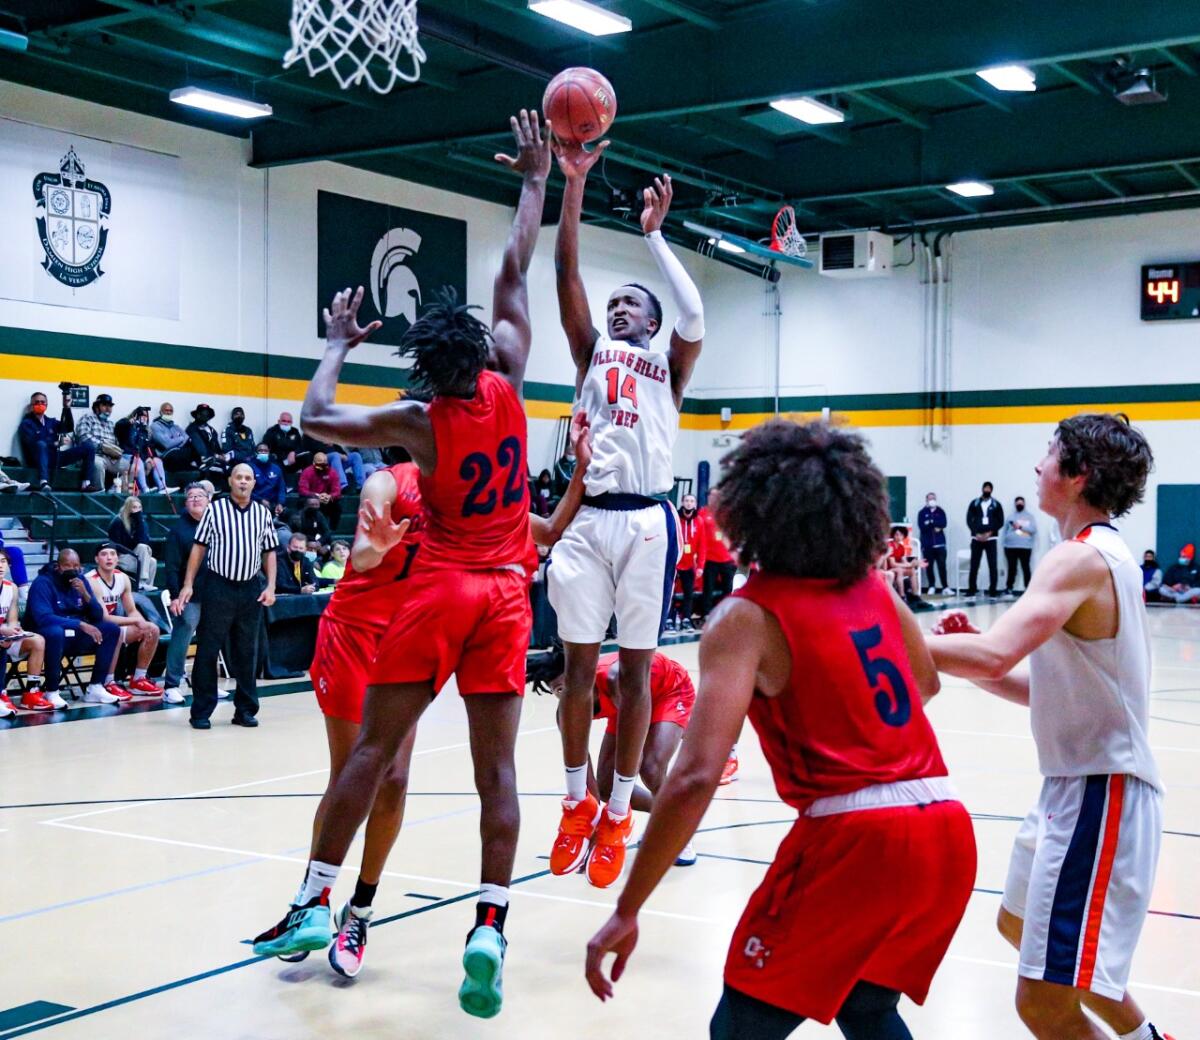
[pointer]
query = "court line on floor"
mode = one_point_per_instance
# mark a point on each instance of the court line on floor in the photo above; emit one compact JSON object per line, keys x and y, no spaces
{"x":1027,"y":736}
{"x":1012,"y":966}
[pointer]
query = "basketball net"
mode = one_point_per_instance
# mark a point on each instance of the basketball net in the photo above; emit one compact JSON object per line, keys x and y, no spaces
{"x":346,"y":37}
{"x":785,"y":236}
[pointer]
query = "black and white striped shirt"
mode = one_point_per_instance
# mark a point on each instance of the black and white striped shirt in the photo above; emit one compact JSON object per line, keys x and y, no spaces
{"x":236,"y":538}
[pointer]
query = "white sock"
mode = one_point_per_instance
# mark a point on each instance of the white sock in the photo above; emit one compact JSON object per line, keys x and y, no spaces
{"x":622,"y":792}
{"x":319,"y":879}
{"x":111,"y":679}
{"x":139,"y":673}
{"x":576,"y":783}
{"x":32,"y":682}
{"x":1143,"y":1032}
{"x":497,"y":895}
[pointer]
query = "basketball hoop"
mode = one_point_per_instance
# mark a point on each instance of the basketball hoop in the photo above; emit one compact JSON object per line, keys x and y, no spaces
{"x":785,"y":236}
{"x":346,"y":36}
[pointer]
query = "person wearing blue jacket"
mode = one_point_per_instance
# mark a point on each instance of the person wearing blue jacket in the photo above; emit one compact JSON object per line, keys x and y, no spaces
{"x":931,"y":521}
{"x":63,"y":611}
{"x":270,"y":487}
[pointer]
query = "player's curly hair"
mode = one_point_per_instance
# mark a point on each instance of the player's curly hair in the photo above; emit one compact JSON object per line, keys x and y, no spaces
{"x":541,"y":669}
{"x":448,"y":345}
{"x":804,"y":500}
{"x":1115,"y":457}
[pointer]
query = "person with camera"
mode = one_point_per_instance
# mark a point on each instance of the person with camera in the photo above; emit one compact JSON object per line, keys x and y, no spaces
{"x":43,"y":441}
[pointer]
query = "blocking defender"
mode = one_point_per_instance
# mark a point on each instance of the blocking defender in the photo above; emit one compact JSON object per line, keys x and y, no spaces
{"x":619,"y":554}
{"x":868,"y":887}
{"x":1082,"y":868}
{"x":466,"y":609}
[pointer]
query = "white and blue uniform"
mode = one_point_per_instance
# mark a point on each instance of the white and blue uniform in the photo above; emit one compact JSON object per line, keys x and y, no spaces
{"x":1083,"y":863}
{"x":619,"y":553}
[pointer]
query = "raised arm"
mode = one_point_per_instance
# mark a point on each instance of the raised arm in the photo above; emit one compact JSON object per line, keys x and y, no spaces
{"x":687,"y":337}
{"x":548,"y":530}
{"x":403,"y":422}
{"x":511,"y":334}
{"x":573,"y":310}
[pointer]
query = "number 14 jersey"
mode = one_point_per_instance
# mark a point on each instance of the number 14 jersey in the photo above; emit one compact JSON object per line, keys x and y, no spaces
{"x":850,"y":715}
{"x":627,"y":395}
{"x":477,"y":498}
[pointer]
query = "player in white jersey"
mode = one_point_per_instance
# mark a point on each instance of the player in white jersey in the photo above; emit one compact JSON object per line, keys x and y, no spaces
{"x":1083,"y":864}
{"x":619,"y":554}
{"x":16,"y":643}
{"x":112,"y":588}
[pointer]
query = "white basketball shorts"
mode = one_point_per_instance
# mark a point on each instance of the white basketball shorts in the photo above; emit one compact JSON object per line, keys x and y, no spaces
{"x":615,"y":561}
{"x":1080,"y":877}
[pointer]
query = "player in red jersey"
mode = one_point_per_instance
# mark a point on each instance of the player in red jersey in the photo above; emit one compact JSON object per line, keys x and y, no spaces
{"x":868,"y":887}
{"x":466,"y":609}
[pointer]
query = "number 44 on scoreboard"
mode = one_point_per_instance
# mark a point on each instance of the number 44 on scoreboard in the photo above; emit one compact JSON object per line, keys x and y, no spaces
{"x":1170,"y":291}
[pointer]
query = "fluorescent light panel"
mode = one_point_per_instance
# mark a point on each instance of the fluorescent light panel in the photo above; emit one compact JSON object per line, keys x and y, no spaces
{"x":971,"y":189}
{"x":729,"y":247}
{"x":1009,"y":77}
{"x":579,"y":14}
{"x":223,"y":104}
{"x":13,"y":41}
{"x":809,"y":110}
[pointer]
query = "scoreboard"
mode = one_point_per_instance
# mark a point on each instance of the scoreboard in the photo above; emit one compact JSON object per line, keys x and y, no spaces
{"x":1170,"y":291}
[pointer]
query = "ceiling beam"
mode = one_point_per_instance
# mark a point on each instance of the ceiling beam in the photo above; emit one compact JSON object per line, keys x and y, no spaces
{"x":955,"y":200}
{"x":1086,"y":82}
{"x":105,"y":21}
{"x":734,"y":132}
{"x":1108,"y":184}
{"x":889,"y":108}
{"x":984,"y":94}
{"x":688,"y":14}
{"x":1030,"y":192}
{"x":1186,"y":174}
{"x":1186,"y":64}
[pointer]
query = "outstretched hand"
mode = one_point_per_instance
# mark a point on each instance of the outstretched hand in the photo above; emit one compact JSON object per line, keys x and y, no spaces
{"x":574,"y":160}
{"x":581,"y":439}
{"x":953,"y":623}
{"x":533,"y":146}
{"x":656,"y":202}
{"x":341,"y":319}
{"x":377,"y":528}
{"x":618,"y":935}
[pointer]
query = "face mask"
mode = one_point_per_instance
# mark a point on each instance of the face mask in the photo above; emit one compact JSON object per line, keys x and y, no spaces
{"x":263,"y":457}
{"x":1021,"y":507}
{"x":296,"y":554}
{"x":310,"y":555}
{"x":1184,"y":561}
{"x":167,"y":416}
{"x":321,"y":469}
{"x":68,"y":576}
{"x":238,"y":420}
{"x":931,"y":503}
{"x":285,"y":426}
{"x":986,"y":495}
{"x":38,"y":409}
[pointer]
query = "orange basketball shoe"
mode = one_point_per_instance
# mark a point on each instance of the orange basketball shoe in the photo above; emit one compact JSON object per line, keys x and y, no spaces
{"x":730,"y":773}
{"x":576,"y":827}
{"x":608,"y":854}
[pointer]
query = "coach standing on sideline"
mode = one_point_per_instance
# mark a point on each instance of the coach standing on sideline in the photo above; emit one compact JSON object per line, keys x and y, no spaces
{"x":237,"y":536}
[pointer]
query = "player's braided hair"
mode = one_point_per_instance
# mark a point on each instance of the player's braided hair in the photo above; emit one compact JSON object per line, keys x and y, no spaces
{"x":1113,"y":455}
{"x":804,"y":500}
{"x":448,"y":345}
{"x":541,"y":669}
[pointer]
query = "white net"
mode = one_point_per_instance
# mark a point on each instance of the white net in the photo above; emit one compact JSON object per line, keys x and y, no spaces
{"x":785,"y":236}
{"x":359,"y":41}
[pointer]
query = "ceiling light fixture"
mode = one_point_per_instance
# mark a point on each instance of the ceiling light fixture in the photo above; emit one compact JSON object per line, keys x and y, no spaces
{"x":1009,"y":77}
{"x":579,"y":14}
{"x":729,"y":247}
{"x":223,"y":104}
{"x":971,"y":189}
{"x":13,"y":41}
{"x":809,"y":110}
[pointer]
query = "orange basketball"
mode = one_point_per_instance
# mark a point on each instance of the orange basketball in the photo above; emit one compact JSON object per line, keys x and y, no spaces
{"x":580,"y":103}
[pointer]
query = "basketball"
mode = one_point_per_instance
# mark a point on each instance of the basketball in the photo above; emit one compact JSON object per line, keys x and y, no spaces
{"x":581,"y":104}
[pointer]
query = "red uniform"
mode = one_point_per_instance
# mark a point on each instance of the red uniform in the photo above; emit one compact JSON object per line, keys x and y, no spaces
{"x":716,"y":547}
{"x":693,"y":539}
{"x":466,"y":610}
{"x":870,"y":885}
{"x":361,"y":608}
{"x":672,"y":694}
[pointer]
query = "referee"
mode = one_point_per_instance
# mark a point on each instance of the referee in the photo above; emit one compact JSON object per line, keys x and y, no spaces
{"x":238,"y":537}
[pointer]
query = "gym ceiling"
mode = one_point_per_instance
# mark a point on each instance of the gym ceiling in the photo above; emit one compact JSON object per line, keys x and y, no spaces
{"x":694,"y":79}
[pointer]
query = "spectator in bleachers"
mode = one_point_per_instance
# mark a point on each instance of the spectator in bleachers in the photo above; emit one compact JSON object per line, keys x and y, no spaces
{"x":932,"y":524}
{"x":207,"y":454}
{"x":16,"y":643}
{"x":287,"y":444}
{"x":311,"y":522}
{"x":340,"y":459}
{"x":133,"y":434}
{"x":239,"y":438}
{"x":903,"y":564}
{"x":60,"y":601}
{"x":334,"y":569}
{"x":179,"y":548}
{"x":170,"y":440}
{"x":372,"y":460}
{"x":720,"y":566}
{"x":542,"y":498}
{"x":128,"y":531}
{"x":564,"y":469}
{"x":1020,"y":533}
{"x":113,"y":590}
{"x":8,"y":484}
{"x":693,"y":544}
{"x":40,"y":439}
{"x":294,"y":573}
{"x":97,"y":429}
{"x":270,"y":487}
{"x":318,"y":480}
{"x":1181,"y":583}
{"x":1152,"y":577}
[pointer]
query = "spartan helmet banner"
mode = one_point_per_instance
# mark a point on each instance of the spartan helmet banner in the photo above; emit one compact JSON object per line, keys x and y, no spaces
{"x":401,"y":257}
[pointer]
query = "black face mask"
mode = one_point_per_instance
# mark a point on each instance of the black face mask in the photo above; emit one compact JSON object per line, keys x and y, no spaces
{"x":296,"y":554}
{"x":68,"y":576}
{"x":238,"y":420}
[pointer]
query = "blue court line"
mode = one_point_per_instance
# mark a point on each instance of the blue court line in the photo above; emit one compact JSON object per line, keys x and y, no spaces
{"x":235,"y":966}
{"x":34,"y":1011}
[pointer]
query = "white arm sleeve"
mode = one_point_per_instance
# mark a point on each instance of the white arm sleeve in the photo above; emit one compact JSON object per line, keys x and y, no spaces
{"x":690,"y":323}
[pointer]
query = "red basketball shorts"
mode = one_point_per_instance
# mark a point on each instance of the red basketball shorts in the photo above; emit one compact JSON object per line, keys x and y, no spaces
{"x":474,"y":625}
{"x":341,"y":667}
{"x":873,"y":895}
{"x":675,"y":706}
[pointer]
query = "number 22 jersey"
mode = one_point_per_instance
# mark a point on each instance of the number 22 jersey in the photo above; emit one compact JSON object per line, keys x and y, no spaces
{"x":850,"y":715}
{"x":477,"y":498}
